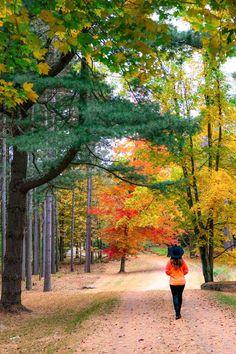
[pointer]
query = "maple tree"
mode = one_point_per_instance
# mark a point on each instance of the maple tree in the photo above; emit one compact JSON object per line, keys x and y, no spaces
{"x":133,"y":215}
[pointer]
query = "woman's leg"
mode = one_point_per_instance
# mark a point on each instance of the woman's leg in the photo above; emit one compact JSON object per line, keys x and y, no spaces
{"x":175,"y":297}
{"x":177,"y":291}
{"x":180,"y":290}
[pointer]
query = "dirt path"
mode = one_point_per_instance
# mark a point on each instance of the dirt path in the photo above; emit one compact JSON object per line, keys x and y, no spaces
{"x":144,"y":321}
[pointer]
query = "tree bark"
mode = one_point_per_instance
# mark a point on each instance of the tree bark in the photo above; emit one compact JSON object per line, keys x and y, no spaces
{"x":61,"y":248}
{"x":4,"y":193}
{"x":72,"y":231}
{"x":44,"y":236}
{"x":36,"y":247}
{"x":206,"y":266}
{"x":16,"y":211}
{"x":88,"y":223}
{"x":122,"y":265}
{"x":28,"y":243}
{"x":23,"y":276}
{"x":53,"y":261}
{"x":56,"y":235}
{"x":48,"y":243}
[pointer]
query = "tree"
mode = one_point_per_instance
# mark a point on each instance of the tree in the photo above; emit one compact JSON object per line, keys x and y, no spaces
{"x":131,"y":217}
{"x":205,"y":157}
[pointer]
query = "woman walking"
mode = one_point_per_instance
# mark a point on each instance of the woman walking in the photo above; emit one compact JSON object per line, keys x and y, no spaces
{"x":176,"y":268}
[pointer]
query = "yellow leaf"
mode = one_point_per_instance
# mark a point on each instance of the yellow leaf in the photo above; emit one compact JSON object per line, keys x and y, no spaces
{"x":2,"y":68}
{"x":43,"y":68}
{"x":32,"y":96}
{"x":27,"y":86}
{"x":39,"y":53}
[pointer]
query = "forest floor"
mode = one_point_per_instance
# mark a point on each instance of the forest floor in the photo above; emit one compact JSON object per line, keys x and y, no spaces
{"x":108,"y":312}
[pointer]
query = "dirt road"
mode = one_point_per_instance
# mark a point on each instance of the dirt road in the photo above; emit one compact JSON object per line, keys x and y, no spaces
{"x":144,"y":322}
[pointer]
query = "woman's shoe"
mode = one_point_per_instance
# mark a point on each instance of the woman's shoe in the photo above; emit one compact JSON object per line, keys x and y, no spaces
{"x":178,"y":317}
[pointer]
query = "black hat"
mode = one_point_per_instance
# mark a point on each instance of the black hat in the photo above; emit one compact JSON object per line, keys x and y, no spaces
{"x":176,"y":252}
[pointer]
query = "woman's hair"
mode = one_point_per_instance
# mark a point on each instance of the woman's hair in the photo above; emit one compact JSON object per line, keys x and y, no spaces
{"x":177,"y":263}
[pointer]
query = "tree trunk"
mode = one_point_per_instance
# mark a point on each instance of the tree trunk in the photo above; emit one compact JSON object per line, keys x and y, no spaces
{"x":44,"y":236}
{"x":16,"y":211}
{"x":76,"y":250}
{"x":206,"y":265}
{"x":122,"y":265}
{"x":23,"y":257}
{"x":56,"y":235}
{"x":61,"y":248}
{"x":72,"y":232}
{"x":53,"y":261}
{"x":4,"y":195}
{"x":36,"y":239}
{"x":42,"y":241}
{"x":88,"y":223}
{"x":48,"y":243}
{"x":80,"y":253}
{"x":28,"y":243}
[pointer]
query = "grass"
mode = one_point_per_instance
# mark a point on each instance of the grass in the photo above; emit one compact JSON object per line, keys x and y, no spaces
{"x":52,"y":330}
{"x":159,"y":250}
{"x":225,"y":299}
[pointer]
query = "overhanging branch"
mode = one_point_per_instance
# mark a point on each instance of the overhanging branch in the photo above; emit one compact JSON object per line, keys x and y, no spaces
{"x":52,"y":173}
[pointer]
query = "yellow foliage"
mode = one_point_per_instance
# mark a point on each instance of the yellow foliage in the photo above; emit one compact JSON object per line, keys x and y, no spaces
{"x":3,"y":68}
{"x":32,"y":95}
{"x":39,"y":53}
{"x":9,"y":96}
{"x":43,"y":68}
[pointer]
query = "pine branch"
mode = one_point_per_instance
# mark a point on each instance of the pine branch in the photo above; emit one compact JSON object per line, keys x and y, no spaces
{"x":52,"y":173}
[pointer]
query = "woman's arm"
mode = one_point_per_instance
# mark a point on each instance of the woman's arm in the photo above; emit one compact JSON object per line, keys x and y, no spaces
{"x":168,"y":268}
{"x":185,"y":267}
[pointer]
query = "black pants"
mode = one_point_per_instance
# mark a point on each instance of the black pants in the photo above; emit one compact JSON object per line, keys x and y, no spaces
{"x":177,"y":291}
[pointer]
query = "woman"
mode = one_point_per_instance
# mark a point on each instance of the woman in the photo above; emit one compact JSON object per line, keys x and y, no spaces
{"x":176,"y":268}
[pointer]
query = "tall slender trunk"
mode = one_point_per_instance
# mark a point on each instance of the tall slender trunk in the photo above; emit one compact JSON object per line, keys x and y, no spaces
{"x":36,"y":247}
{"x":4,"y":193}
{"x":42,"y":243}
{"x":48,"y":243}
{"x":80,"y":253}
{"x":72,"y":231}
{"x":88,"y":223}
{"x":12,"y":273}
{"x":29,"y":235}
{"x":44,"y":236}
{"x":23,"y":272}
{"x":53,"y":261}
{"x":61,"y":248}
{"x":56,"y":234}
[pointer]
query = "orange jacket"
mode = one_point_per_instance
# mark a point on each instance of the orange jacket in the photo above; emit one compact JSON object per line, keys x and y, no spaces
{"x":177,"y":275}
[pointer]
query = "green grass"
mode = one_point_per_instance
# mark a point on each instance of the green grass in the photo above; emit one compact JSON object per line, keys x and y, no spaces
{"x":159,"y":250}
{"x":92,"y":309}
{"x":64,"y":322}
{"x":226,"y":299}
